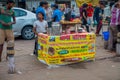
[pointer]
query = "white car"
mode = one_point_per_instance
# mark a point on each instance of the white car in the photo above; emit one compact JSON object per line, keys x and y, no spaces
{"x":24,"y":23}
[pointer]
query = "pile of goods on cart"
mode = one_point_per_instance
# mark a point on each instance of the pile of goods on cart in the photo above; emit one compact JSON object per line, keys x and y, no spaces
{"x":72,"y":21}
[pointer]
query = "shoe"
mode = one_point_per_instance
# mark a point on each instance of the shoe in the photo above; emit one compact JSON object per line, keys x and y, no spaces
{"x":11,"y":65}
{"x":11,"y":70}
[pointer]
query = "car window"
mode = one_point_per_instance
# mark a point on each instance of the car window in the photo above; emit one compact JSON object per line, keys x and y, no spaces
{"x":19,"y":13}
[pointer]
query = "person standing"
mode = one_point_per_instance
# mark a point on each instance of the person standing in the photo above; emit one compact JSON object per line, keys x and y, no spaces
{"x":40,"y":12}
{"x":67,"y":12}
{"x":39,"y":26}
{"x":114,"y":26}
{"x":6,"y":14}
{"x":57,"y":14}
{"x":73,"y":16}
{"x":48,"y":11}
{"x":107,"y":12}
{"x":98,"y":16}
{"x":90,"y":12}
{"x":33,"y":10}
{"x":56,"y":18}
{"x":80,"y":11}
{"x":41,"y":8}
{"x":84,"y":17}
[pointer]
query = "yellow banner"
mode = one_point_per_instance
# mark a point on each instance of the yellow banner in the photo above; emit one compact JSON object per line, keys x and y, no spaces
{"x":66,"y":49}
{"x":93,"y":2}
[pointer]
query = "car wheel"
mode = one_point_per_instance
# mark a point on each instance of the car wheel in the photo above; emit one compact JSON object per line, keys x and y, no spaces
{"x":27,"y":33}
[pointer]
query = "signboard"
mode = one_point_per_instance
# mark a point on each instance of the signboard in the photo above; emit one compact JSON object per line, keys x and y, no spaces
{"x":66,"y":49}
{"x":63,"y":1}
{"x":93,"y":2}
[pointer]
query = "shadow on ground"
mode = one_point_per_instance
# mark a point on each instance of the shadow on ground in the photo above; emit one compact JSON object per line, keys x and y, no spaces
{"x":80,"y":65}
{"x":116,"y":59}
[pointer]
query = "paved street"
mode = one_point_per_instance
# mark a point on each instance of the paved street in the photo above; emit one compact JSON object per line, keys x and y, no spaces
{"x":32,"y":69}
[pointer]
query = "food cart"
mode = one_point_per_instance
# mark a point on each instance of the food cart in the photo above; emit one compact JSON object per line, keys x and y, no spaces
{"x":69,"y":27}
{"x":66,"y":48}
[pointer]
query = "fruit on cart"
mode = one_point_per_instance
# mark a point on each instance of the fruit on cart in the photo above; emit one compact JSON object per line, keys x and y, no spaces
{"x":62,"y":21}
{"x":71,"y":19}
{"x":77,"y":20}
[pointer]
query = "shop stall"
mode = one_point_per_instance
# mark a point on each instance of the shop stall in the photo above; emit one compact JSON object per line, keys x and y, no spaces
{"x":66,"y":48}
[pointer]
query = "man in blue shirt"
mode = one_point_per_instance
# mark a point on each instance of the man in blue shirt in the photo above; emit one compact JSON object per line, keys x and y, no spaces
{"x":56,"y":18}
{"x":57,"y":14}
{"x":41,"y":8}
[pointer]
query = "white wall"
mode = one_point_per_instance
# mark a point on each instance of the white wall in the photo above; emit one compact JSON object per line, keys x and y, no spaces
{"x":31,"y":4}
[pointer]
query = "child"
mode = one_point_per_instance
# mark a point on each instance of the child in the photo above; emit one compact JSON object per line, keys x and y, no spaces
{"x":39,"y":26}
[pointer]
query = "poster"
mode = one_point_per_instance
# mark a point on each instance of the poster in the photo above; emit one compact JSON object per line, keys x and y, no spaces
{"x":93,"y":2}
{"x":66,"y":49}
